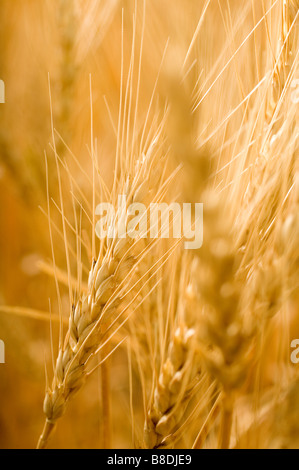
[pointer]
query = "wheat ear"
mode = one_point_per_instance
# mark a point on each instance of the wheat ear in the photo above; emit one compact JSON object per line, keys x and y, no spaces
{"x":224,"y":337}
{"x":95,"y":313}
{"x":173,"y":388}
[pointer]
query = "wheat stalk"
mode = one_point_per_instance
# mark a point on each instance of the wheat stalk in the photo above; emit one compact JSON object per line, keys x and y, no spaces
{"x":95,"y":313}
{"x":224,"y":336}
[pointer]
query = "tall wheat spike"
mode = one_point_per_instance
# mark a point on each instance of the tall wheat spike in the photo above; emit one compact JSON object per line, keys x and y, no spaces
{"x":95,"y":313}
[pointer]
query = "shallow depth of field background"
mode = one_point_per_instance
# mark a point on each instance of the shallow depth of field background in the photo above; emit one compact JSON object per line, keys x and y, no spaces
{"x":69,"y":42}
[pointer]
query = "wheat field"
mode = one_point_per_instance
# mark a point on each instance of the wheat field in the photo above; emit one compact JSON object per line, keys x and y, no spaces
{"x":141,"y":341}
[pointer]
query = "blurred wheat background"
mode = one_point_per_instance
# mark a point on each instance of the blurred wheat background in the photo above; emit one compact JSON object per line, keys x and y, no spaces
{"x":187,"y":101}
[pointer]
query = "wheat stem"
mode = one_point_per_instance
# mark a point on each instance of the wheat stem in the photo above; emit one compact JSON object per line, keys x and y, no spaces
{"x":106,"y":404}
{"x":45,"y":435}
{"x":226,"y":422}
